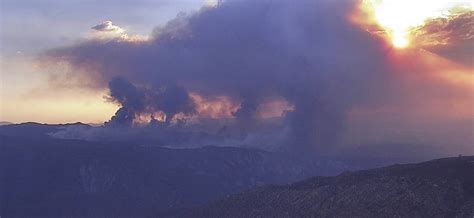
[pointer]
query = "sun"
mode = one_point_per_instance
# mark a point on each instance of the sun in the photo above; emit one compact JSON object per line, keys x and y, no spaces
{"x":399,"y":17}
{"x":400,"y":40}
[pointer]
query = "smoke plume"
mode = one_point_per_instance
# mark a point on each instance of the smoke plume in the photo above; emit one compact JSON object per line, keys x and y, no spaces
{"x":134,"y":101}
{"x":305,"y":52}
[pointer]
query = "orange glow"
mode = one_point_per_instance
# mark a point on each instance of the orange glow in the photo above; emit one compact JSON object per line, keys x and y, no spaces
{"x":84,"y":107}
{"x":397,"y":18}
{"x":145,"y":118}
{"x":434,"y":104}
{"x":219,"y":107}
{"x":274,"y":108}
{"x":222,"y":107}
{"x":433,"y":67}
{"x":438,"y":87}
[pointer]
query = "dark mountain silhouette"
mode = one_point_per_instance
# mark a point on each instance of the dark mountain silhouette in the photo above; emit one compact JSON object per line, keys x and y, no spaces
{"x":50,"y":177}
{"x":33,"y":129}
{"x":438,"y":188}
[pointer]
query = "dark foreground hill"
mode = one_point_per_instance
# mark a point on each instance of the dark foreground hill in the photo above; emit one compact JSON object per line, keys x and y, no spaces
{"x":70,"y":178}
{"x":42,"y":176}
{"x":438,"y":188}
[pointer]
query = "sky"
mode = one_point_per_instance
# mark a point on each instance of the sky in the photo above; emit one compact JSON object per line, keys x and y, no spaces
{"x":356,"y":71}
{"x":29,"y":27}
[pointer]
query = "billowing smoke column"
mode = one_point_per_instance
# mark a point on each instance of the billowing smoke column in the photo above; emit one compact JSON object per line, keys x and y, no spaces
{"x":173,"y":100}
{"x":135,"y":101}
{"x":304,"y":51}
{"x":130,"y":98}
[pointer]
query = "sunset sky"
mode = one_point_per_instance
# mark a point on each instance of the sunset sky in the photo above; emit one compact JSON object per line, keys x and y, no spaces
{"x":29,"y":27}
{"x":58,"y":59}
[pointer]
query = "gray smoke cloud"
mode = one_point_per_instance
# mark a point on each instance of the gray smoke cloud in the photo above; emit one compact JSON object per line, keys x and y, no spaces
{"x":304,"y":51}
{"x":134,"y":101}
{"x":131,"y":99}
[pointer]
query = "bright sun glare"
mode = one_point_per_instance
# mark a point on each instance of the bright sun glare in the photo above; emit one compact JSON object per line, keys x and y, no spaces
{"x":397,"y":17}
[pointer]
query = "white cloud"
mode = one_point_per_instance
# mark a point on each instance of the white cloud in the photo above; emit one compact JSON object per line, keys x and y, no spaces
{"x":108,"y":26}
{"x":107,"y":30}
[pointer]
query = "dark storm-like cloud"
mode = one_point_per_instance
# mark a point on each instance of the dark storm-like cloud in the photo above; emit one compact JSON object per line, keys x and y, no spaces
{"x":303,"y":51}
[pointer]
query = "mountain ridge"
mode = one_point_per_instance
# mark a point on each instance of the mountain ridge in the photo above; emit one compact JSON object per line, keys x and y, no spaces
{"x":437,"y":188}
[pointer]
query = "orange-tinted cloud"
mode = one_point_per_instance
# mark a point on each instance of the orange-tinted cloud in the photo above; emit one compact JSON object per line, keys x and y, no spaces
{"x":451,"y":37}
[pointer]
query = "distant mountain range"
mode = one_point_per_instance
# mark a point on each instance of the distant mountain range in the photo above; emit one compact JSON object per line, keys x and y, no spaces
{"x":438,"y":188}
{"x":50,"y":177}
{"x":44,"y":176}
{"x":2,"y":123}
{"x":32,"y":129}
